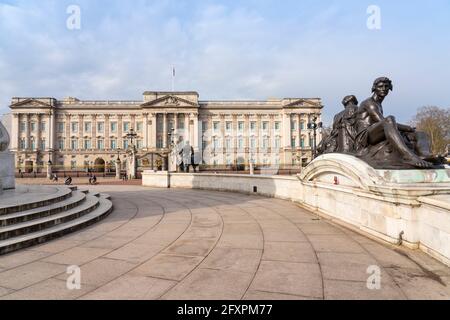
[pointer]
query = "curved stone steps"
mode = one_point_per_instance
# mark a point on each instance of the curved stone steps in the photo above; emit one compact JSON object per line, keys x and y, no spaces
{"x":76,"y":199}
{"x":15,"y":200}
{"x":15,"y":230}
{"x":103,"y":208}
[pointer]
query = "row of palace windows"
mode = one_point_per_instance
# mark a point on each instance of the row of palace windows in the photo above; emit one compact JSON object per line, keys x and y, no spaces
{"x":87,"y":127}
{"x":74,"y":144}
{"x":241,"y":126}
{"x":253,"y":126}
{"x":100,"y":145}
{"x":228,"y":143}
{"x":33,"y":144}
{"x":33,"y":126}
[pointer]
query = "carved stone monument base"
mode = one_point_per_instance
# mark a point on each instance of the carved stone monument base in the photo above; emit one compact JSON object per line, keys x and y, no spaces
{"x":409,"y":207}
{"x":7,"y":179}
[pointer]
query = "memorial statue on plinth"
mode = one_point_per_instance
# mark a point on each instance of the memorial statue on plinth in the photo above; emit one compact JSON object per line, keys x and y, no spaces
{"x":380,"y":141}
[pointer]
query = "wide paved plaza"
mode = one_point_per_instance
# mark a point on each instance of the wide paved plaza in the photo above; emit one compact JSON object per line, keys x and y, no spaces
{"x":194,"y":244}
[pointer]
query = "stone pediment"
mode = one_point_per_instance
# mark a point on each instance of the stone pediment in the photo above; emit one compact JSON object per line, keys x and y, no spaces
{"x":301,"y":103}
{"x":170,"y":101}
{"x":31,"y":103}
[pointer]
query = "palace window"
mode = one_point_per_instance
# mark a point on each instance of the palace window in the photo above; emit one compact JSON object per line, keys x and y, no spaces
{"x":253,"y":143}
{"x":33,"y":126}
{"x":33,"y":143}
{"x":181,"y":120}
{"x":22,"y":144}
{"x":22,"y":126}
{"x":42,"y":126}
{"x":114,"y":144}
{"x":126,"y":127}
{"x":241,"y":126}
{"x":139,"y":126}
{"x":100,"y":127}
{"x":277,"y":126}
{"x":265,"y":143}
{"x":302,"y":125}
{"x":277,"y":143}
{"x":204,"y":126}
{"x":60,"y":127}
{"x":113,"y":127}
{"x":265,"y":125}
{"x":302,"y":142}
{"x":100,"y":144}
{"x":139,"y":144}
{"x":293,"y":142}
{"x":229,"y":126}
{"x":228,"y":144}
{"x":253,"y":126}
{"x":87,"y":127}
{"x":216,"y":126}
{"x":241,"y":143}
{"x":42,"y":144}
{"x":159,"y":143}
{"x":73,"y":164}
{"x":74,"y":127}
{"x":61,"y":144}
{"x":126,"y":143}
{"x":87,"y":144}
{"x":293,"y":125}
{"x":74,"y":144}
{"x":216,"y":143}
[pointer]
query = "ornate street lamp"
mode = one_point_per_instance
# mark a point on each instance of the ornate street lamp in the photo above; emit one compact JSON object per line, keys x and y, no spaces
{"x":313,"y":125}
{"x":131,"y":136}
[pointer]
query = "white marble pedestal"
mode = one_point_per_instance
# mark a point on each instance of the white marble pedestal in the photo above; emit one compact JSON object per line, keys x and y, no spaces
{"x":7,"y":179}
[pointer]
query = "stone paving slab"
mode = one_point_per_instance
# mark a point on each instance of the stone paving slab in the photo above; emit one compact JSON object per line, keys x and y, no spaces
{"x":192,"y":244}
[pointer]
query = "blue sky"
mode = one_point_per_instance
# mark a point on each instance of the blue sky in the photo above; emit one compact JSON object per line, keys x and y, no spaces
{"x":248,"y":49}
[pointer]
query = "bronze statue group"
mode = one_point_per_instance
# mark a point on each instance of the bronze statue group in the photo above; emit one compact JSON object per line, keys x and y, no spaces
{"x":364,"y":131}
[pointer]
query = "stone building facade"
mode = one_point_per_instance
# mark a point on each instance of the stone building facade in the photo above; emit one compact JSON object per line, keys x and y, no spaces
{"x":76,"y":135}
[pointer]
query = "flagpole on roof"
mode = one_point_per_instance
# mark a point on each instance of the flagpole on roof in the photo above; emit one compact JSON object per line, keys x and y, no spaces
{"x":173,"y":78}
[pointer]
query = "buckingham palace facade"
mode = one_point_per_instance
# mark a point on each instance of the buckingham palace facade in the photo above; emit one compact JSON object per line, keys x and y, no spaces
{"x":76,"y":135}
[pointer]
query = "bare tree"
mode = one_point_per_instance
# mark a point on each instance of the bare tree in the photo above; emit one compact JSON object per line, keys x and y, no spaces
{"x":436,"y":123}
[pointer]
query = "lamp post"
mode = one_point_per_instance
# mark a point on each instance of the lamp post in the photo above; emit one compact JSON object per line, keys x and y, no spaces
{"x":132,"y":167}
{"x":170,"y":156}
{"x":118,"y":165}
{"x":313,"y":125}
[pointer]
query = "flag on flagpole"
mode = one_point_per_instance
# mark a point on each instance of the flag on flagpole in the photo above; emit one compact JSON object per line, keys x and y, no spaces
{"x":173,"y":78}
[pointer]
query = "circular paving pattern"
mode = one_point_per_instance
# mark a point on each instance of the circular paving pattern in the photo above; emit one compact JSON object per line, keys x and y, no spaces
{"x":192,"y":244}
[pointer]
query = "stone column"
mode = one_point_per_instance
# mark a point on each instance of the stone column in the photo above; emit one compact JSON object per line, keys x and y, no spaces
{"x":120,"y":131}
{"x":107,"y":132}
{"x":247,"y":138}
{"x":235,"y":138}
{"x":223,"y":138}
{"x":154,"y":130}
{"x":52,"y":130}
{"x":175,"y":123}
{"x":27,"y":132}
{"x":67,"y":133}
{"x":186,"y":127}
{"x":39,"y":134}
{"x":94,"y":132}
{"x":118,"y":168}
{"x":164,"y":130}
{"x":15,"y":128}
{"x":195,"y":132}
{"x":145,"y":129}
